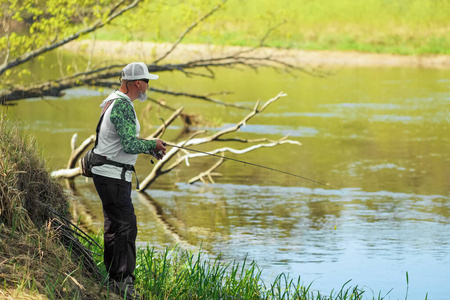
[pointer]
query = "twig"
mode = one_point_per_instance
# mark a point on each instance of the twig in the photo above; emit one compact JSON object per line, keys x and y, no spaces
{"x":190,"y":28}
{"x":209,"y":173}
{"x":206,"y":98}
{"x":161,"y":128}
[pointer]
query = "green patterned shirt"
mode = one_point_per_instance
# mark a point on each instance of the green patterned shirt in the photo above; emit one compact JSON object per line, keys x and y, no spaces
{"x":124,"y":119}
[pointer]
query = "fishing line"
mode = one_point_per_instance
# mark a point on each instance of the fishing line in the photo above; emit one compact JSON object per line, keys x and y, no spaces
{"x":253,"y":164}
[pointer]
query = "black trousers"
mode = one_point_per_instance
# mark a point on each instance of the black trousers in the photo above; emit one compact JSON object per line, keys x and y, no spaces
{"x":120,"y":226}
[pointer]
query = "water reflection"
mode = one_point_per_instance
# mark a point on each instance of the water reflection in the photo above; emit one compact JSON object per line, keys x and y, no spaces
{"x":162,"y":218}
{"x":300,"y":227}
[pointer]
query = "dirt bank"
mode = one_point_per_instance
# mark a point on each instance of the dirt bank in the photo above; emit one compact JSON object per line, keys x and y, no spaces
{"x":148,"y":52}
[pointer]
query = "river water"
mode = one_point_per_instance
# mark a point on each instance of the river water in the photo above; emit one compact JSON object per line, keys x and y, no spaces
{"x":380,"y":136}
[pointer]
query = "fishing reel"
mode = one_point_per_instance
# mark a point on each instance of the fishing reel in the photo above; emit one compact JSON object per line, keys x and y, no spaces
{"x":158,"y":155}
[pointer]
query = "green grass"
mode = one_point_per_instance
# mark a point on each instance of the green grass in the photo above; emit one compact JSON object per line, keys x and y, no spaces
{"x":382,"y":26}
{"x":175,"y":273}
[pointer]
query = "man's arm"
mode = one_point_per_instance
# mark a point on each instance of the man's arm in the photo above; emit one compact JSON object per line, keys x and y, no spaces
{"x":124,"y":119}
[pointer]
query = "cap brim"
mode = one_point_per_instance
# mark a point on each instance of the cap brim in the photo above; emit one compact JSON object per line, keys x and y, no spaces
{"x":152,"y":76}
{"x":145,"y":76}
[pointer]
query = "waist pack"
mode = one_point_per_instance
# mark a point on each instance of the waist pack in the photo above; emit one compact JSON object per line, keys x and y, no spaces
{"x":91,"y":159}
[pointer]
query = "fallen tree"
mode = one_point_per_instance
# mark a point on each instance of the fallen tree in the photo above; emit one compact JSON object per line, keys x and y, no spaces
{"x":176,"y":155}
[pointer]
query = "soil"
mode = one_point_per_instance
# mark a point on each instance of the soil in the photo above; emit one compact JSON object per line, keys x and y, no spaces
{"x":149,"y":52}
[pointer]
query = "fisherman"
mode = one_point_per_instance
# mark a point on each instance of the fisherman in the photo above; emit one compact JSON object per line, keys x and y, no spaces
{"x":118,"y":141}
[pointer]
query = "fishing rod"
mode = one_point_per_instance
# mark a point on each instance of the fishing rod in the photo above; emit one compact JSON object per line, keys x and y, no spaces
{"x":251,"y":164}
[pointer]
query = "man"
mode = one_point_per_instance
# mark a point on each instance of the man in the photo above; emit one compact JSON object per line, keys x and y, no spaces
{"x":118,"y":141}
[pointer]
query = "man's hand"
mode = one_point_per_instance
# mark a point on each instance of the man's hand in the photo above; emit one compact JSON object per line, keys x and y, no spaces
{"x":160,"y":149}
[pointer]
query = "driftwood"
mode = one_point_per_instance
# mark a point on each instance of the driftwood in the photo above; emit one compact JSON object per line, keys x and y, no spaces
{"x":158,"y":168}
{"x":183,"y":155}
{"x":77,"y":152}
{"x":72,"y":171}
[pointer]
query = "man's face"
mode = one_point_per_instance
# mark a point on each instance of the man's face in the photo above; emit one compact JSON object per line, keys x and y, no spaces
{"x":143,"y":83}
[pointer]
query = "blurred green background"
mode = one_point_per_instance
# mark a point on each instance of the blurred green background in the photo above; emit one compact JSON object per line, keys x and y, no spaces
{"x":381,"y":26}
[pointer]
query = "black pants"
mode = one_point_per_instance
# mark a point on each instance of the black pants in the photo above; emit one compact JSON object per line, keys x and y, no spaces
{"x":120,"y":226}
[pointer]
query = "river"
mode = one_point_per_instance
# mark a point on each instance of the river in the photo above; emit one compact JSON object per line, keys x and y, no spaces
{"x":380,"y":136}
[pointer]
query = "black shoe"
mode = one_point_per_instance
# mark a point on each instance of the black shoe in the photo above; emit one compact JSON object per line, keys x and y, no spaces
{"x":124,"y":287}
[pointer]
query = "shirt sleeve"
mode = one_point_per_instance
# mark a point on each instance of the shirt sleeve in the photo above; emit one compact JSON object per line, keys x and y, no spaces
{"x":124,"y":119}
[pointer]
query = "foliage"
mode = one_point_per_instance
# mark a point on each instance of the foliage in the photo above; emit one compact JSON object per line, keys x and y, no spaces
{"x":30,"y":28}
{"x":100,"y":74}
{"x":404,"y":27}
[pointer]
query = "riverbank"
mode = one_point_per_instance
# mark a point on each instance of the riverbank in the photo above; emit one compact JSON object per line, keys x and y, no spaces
{"x":40,"y":255}
{"x":149,"y":52}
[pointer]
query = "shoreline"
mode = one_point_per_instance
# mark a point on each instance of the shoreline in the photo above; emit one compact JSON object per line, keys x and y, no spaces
{"x":147,"y":51}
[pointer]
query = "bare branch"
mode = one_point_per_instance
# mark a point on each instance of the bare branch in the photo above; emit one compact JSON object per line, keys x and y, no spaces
{"x":208,"y":173}
{"x":248,"y":117}
{"x":7,"y":25}
{"x":163,"y":127}
{"x":206,"y":98}
{"x":158,"y":168}
{"x":190,"y":28}
{"x":76,"y":153}
{"x":72,"y":171}
{"x":115,"y":7}
{"x":66,"y":173}
{"x":261,"y":42}
{"x":97,"y":77}
{"x":185,"y":158}
{"x":241,"y":151}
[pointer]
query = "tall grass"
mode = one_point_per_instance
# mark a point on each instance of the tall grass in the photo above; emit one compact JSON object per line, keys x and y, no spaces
{"x":401,"y":26}
{"x":25,"y":184}
{"x":175,"y":273}
{"x":40,"y":257}
{"x":179,"y":274}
